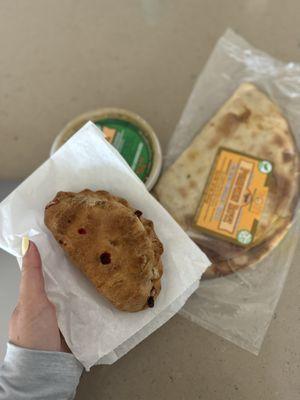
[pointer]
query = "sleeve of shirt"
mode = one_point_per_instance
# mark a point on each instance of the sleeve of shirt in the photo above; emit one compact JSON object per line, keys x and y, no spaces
{"x":32,"y":374}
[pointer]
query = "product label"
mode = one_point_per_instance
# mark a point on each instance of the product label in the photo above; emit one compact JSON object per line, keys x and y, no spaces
{"x":130,"y":142}
{"x":234,"y":197}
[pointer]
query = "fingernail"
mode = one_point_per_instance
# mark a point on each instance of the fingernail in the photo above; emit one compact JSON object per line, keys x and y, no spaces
{"x":25,"y":245}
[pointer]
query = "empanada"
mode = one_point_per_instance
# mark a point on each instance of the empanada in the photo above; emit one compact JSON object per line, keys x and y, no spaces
{"x":111,"y":243}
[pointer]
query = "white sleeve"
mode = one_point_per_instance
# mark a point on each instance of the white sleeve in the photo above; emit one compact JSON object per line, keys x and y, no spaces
{"x":44,"y":375}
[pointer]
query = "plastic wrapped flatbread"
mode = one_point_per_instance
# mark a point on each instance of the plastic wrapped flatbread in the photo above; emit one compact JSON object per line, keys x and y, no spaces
{"x":249,"y":141}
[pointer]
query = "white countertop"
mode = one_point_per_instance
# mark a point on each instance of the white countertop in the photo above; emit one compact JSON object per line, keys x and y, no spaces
{"x":9,"y":280}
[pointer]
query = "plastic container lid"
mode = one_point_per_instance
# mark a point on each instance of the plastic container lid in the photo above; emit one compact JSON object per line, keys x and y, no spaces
{"x":130,"y":134}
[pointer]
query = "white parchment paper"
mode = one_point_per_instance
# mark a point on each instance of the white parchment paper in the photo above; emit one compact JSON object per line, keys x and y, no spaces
{"x":94,"y":330}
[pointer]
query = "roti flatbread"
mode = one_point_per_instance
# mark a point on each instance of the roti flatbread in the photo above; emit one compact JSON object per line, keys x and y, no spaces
{"x":249,"y":122}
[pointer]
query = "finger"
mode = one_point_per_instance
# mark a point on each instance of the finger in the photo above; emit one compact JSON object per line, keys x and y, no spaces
{"x":32,"y":279}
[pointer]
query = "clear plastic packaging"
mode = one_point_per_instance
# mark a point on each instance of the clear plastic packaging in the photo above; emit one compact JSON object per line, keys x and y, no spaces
{"x":239,"y":302}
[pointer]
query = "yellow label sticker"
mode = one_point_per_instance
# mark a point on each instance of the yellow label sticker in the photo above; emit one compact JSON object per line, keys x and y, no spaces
{"x":234,"y":197}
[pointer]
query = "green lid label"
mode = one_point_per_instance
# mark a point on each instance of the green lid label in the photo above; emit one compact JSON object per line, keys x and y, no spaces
{"x":131,"y":143}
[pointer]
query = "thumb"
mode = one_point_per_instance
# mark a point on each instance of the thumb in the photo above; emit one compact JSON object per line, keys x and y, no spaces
{"x":32,"y":280}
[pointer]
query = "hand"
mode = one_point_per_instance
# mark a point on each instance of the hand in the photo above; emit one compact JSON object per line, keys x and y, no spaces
{"x":33,"y":324}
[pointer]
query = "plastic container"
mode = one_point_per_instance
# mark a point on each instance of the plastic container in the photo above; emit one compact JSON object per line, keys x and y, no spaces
{"x":130,"y":134}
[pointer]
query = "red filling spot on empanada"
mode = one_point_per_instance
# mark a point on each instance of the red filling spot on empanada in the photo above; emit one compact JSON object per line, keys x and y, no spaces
{"x":138,"y":213}
{"x":105,"y":258}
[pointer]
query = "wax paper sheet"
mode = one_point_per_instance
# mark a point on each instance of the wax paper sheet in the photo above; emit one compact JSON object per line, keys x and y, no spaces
{"x":95,"y":331}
